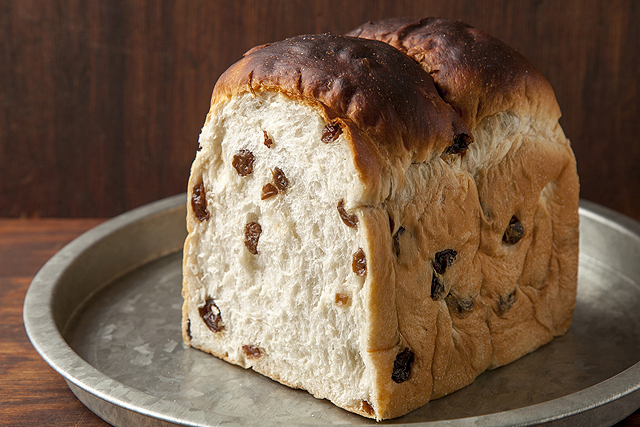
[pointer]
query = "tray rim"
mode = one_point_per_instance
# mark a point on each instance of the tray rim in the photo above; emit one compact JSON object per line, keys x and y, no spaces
{"x":48,"y":341}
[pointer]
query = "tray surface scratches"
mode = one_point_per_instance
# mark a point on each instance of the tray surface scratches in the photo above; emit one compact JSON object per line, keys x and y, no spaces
{"x":132,"y":361}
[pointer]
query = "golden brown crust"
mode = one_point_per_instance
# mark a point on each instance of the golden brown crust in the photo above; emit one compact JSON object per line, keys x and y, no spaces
{"x":475,"y":73}
{"x":367,"y":84}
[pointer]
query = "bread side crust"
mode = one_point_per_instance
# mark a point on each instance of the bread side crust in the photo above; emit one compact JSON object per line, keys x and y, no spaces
{"x":527,"y":170}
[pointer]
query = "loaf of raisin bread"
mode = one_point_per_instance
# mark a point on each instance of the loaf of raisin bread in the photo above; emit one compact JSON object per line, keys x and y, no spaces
{"x":357,"y":231}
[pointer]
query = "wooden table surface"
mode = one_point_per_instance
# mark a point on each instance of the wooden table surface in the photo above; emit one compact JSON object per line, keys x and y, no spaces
{"x":31,"y":393}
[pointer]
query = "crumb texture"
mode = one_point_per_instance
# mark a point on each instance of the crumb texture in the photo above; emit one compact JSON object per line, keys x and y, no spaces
{"x":274,"y":266}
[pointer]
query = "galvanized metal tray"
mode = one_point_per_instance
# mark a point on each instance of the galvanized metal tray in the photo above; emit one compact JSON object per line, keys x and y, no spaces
{"x":105,"y":313}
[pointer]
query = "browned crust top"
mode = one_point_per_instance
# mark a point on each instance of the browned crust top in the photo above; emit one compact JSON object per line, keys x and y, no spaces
{"x":366,"y":83}
{"x":477,"y":74}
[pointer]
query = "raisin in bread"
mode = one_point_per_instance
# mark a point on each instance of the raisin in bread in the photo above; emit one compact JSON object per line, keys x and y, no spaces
{"x":343,"y":234}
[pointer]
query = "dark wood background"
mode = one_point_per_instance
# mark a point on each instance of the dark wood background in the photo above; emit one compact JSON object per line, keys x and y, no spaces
{"x":102,"y":101}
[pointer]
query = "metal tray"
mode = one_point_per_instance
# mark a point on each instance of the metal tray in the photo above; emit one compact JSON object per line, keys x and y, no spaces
{"x":105,"y":313}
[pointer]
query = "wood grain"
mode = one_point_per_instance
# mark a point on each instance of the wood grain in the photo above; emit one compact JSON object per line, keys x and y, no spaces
{"x":101,"y":103}
{"x":31,"y":393}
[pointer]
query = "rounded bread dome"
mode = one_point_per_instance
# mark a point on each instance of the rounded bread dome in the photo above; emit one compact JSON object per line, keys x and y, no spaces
{"x":477,"y":74}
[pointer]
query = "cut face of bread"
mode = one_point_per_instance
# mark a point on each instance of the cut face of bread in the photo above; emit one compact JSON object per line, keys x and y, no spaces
{"x":351,"y":235}
{"x":289,"y":302}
